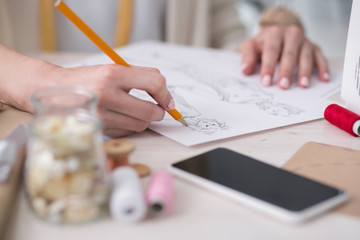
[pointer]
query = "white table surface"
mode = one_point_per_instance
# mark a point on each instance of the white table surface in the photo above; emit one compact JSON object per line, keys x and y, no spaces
{"x":198,"y":213}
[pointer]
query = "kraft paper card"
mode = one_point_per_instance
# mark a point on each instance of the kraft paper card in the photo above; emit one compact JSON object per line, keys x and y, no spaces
{"x":332,"y":165}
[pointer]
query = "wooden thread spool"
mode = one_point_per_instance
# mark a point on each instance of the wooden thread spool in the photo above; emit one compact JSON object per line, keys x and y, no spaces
{"x":117,"y":152}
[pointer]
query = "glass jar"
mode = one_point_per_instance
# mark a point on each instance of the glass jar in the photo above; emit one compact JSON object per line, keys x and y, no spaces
{"x":65,"y":171}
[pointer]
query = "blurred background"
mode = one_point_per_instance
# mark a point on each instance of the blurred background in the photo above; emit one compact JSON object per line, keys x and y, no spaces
{"x":325,"y":21}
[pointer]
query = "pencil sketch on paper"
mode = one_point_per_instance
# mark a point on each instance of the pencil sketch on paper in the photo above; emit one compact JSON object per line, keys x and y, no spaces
{"x":278,"y":109}
{"x":214,"y":98}
{"x":187,"y":111}
{"x":229,"y":89}
{"x":235,"y":90}
{"x":206,"y":125}
{"x":192,"y":116}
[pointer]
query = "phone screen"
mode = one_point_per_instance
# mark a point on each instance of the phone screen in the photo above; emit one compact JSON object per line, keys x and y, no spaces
{"x":258,"y":179}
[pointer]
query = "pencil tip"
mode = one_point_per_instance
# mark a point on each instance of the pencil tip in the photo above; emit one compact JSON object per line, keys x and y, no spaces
{"x":183,"y":122}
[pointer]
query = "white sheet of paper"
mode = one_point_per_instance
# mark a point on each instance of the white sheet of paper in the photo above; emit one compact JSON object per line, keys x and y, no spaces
{"x":215,"y":99}
{"x":350,"y":90}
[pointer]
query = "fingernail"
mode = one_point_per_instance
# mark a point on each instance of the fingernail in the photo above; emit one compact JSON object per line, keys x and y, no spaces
{"x":326,"y":76}
{"x":284,"y":83}
{"x":304,"y":82}
{"x":171,"y":105}
{"x":266,"y":80}
{"x":243,"y":66}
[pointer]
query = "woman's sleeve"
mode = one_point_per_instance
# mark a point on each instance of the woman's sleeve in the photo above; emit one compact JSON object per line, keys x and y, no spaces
{"x":227,"y":31}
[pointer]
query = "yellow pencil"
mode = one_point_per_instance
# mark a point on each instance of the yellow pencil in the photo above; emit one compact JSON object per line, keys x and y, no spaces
{"x":64,"y":9}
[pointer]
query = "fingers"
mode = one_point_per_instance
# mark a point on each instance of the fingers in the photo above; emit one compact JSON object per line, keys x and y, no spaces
{"x":152,"y":82}
{"x":271,"y":52}
{"x":151,"y":69}
{"x":321,"y":65}
{"x":115,"y":132}
{"x":293,"y":39}
{"x":249,"y":56}
{"x":115,"y":120}
{"x":295,"y":51}
{"x":122,"y":112}
{"x":306,"y":64}
{"x":122,"y":103}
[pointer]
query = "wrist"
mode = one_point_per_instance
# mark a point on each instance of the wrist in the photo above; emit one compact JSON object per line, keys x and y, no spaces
{"x":41,"y":75}
{"x":280,"y":16}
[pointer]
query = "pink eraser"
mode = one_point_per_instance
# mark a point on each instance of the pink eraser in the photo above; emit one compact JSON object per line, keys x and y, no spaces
{"x":159,"y":195}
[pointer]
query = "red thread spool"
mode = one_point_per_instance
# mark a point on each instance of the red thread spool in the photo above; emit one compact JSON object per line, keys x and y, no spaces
{"x":343,"y":118}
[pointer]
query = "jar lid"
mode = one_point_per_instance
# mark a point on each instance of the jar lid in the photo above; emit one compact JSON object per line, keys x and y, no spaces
{"x":116,"y":148}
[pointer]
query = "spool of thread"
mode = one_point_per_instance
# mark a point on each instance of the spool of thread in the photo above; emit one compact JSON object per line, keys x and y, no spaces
{"x":343,"y":118}
{"x":159,"y":195}
{"x":117,"y":152}
{"x":127,"y":201}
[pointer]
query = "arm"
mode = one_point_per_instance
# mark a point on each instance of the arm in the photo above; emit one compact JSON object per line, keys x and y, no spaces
{"x":122,"y":114}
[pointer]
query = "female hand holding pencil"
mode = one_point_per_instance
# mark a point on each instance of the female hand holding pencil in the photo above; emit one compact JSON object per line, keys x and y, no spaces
{"x":121,"y":113}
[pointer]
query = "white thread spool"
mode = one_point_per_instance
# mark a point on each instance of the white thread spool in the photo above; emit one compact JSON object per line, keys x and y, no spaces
{"x":127,"y":202}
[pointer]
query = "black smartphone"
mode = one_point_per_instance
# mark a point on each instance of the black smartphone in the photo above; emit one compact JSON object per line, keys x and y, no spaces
{"x":280,"y":193}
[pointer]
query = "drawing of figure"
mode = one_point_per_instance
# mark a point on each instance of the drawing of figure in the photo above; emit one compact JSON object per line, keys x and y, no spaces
{"x":205,"y":125}
{"x":187,"y":111}
{"x":278,"y":109}
{"x":228,"y":89}
{"x":242,"y":93}
{"x":191,"y":114}
{"x":222,"y":88}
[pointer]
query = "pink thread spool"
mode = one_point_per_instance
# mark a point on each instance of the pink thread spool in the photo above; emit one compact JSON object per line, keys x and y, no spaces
{"x":343,"y":118}
{"x":159,"y":195}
